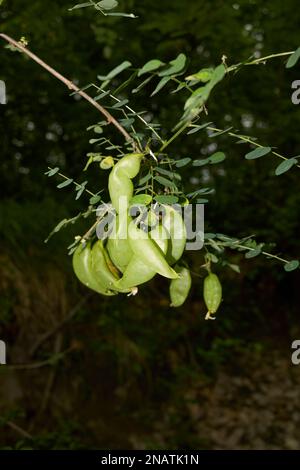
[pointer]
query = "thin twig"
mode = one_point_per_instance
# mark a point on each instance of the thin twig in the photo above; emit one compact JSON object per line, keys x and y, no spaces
{"x":259,"y":60}
{"x":72,"y":86}
{"x":19,"y":430}
{"x":249,"y":140}
{"x":91,"y":230}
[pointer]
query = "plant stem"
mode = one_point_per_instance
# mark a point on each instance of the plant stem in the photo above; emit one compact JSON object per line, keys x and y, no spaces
{"x":247,"y":139}
{"x":174,"y":136}
{"x":74,"y":182}
{"x":269,"y":255}
{"x":110,"y":119}
{"x":259,"y":60}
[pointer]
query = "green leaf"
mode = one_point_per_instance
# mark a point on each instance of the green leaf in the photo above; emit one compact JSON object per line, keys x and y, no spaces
{"x":234,"y":267}
{"x":202,"y":201}
{"x":160,"y":85}
{"x":165,"y":182}
{"x":201,"y":95}
{"x":52,"y":172}
{"x":291,"y":265}
{"x":150,"y":66}
{"x":80,"y":190}
{"x":141,"y":85}
{"x":120,"y":104}
{"x":60,"y":225}
{"x":107,"y":4}
{"x":218,"y":75}
{"x":182,"y":162}
{"x":198,"y":128}
{"x":170,"y":174}
{"x":285,"y":166}
{"x":293,"y":59}
{"x":65,"y":183}
{"x":176,"y":66}
{"x":102,"y":95}
{"x":90,"y":160}
{"x":204,"y":75}
{"x":202,"y":191}
{"x":217,"y":157}
{"x":223,"y":131}
{"x":145,"y":179}
{"x":94,"y":200}
{"x":79,"y":5}
{"x":198,"y":97}
{"x":143,"y":199}
{"x":166,"y":199}
{"x":202,"y":162}
{"x":113,"y":73}
{"x":126,"y":122}
{"x":257,"y":153}
{"x":125,"y":15}
{"x":180,"y":86}
{"x":252,"y":253}
{"x":209,"y":236}
{"x":212,"y":257}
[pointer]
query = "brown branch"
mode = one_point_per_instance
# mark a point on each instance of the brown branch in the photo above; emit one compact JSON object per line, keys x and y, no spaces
{"x":110,"y":119}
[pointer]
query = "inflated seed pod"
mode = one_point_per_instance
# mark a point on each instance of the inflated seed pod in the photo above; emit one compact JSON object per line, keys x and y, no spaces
{"x":180,"y":288}
{"x":174,"y":224}
{"x":113,"y":269}
{"x":101,"y":268}
{"x":148,"y":251}
{"x":120,"y":185}
{"x":138,"y":272}
{"x":82,"y":265}
{"x":212,"y":293}
{"x":118,"y":245}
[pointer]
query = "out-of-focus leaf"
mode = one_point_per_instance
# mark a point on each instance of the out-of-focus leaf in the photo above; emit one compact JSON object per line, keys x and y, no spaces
{"x":257,"y":153}
{"x":291,"y":265}
{"x":285,"y":166}
{"x":150,"y":66}
{"x":176,"y":66}
{"x":160,"y":85}
{"x":293,"y":59}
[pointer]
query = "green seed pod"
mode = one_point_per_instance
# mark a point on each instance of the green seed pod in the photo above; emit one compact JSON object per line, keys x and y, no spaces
{"x":118,"y":245}
{"x":148,"y":252}
{"x":180,"y":288}
{"x":82,"y":265}
{"x":119,"y":182}
{"x":212,"y":293}
{"x":100,"y":267}
{"x":137,"y":271}
{"x":174,"y":224}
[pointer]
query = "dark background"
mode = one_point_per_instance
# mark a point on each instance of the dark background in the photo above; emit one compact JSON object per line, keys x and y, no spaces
{"x":131,"y":372}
